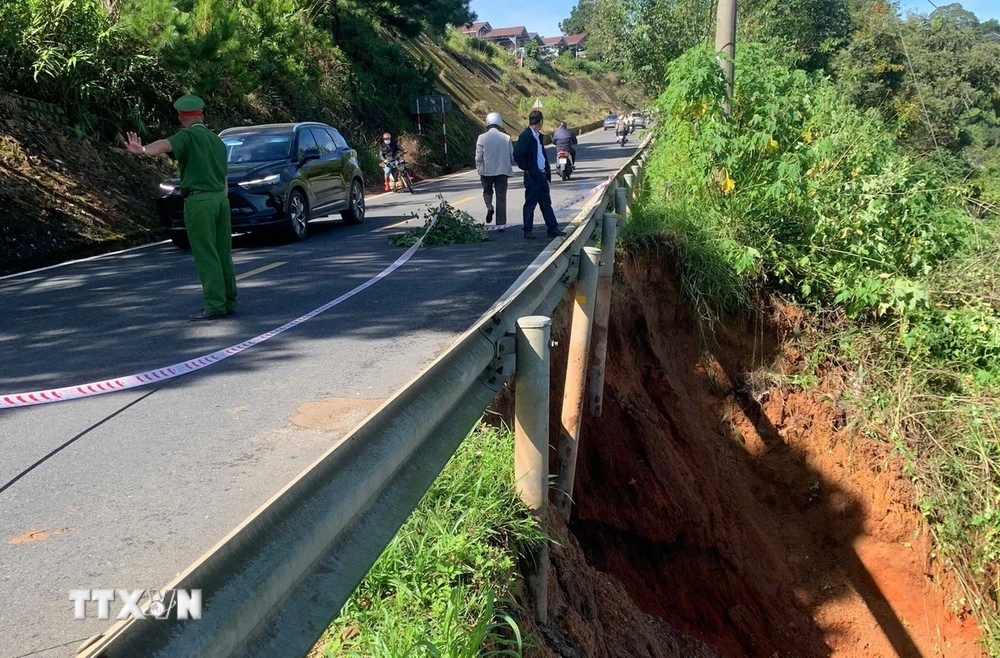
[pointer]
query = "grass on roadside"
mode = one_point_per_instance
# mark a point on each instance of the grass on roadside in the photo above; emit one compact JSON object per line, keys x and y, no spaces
{"x":443,"y":587}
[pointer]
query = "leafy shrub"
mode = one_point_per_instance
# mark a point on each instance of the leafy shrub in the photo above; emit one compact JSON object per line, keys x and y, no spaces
{"x":453,"y":226}
{"x":568,"y":64}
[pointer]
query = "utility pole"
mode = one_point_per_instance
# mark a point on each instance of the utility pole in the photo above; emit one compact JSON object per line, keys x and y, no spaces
{"x":725,"y":43}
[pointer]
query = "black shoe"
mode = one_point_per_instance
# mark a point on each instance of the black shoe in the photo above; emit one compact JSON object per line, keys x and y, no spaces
{"x":206,"y":315}
{"x":501,"y":229}
{"x":557,"y":234}
{"x":489,"y":216}
{"x":529,"y":236}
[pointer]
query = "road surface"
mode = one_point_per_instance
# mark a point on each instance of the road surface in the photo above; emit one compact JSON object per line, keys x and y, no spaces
{"x":124,"y":490}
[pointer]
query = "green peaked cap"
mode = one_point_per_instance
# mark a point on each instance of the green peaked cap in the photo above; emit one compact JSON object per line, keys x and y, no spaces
{"x":189,"y":103}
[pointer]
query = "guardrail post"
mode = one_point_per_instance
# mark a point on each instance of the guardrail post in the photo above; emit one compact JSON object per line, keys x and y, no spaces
{"x":531,"y":443}
{"x":576,"y":378}
{"x":630,"y":184}
{"x":621,"y":203}
{"x":602,"y":313}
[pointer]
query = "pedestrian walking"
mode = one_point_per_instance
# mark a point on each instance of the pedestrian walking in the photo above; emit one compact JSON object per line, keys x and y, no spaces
{"x":529,"y":154}
{"x":495,"y":164}
{"x":201,"y":158}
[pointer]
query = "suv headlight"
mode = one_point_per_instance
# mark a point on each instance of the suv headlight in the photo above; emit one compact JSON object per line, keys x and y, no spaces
{"x":264,"y":181}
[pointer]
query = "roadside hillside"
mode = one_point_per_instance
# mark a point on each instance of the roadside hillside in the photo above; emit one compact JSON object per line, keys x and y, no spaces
{"x":63,"y":195}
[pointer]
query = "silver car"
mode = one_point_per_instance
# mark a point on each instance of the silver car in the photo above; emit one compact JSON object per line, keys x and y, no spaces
{"x":610,"y":121}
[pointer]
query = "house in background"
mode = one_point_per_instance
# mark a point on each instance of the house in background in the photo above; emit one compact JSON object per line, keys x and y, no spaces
{"x":577,"y":44}
{"x":476,"y":29}
{"x":511,"y":39}
{"x":553,"y":46}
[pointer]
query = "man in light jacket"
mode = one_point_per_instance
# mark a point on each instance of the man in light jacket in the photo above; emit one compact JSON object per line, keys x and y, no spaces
{"x":495,"y":163}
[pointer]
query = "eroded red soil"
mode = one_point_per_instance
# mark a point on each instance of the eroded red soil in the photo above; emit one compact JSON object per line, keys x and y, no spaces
{"x":747,"y":516}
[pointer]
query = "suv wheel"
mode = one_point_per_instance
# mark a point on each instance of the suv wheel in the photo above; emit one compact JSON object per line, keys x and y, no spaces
{"x":355,"y":213}
{"x":297,"y":221}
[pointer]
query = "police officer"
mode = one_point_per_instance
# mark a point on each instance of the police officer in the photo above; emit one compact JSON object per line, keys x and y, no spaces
{"x":201,"y":157}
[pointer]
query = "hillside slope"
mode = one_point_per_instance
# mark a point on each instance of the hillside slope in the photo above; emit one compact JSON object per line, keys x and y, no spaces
{"x":482,"y":79}
{"x":63,"y":196}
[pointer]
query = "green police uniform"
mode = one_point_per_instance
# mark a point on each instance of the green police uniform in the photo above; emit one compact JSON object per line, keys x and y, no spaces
{"x":201,"y":157}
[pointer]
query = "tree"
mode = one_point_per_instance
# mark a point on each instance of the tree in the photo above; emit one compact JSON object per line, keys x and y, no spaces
{"x":579,"y":16}
{"x":810,"y":32}
{"x":406,"y":17}
{"x":641,"y":37}
{"x":531,"y":49}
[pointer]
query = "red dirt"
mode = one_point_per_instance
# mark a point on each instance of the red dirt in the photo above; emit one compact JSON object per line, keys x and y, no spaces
{"x":592,"y":616}
{"x":748,"y":516}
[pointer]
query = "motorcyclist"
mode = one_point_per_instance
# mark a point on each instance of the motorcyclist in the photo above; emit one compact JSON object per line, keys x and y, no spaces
{"x":621,"y":128}
{"x":564,"y":139}
{"x":388,"y":151}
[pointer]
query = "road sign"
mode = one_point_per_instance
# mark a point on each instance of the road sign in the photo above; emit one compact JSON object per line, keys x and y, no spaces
{"x":537,"y":105}
{"x":430,"y":104}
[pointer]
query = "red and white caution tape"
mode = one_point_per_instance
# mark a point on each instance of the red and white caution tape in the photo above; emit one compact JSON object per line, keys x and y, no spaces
{"x":15,"y":400}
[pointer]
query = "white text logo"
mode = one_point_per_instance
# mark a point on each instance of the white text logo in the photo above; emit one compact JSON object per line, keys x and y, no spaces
{"x":186,"y":603}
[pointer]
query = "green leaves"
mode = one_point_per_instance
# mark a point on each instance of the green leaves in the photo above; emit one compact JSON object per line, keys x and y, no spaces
{"x":453,"y":226}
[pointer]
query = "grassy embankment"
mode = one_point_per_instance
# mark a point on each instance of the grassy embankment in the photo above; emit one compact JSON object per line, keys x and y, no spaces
{"x":801,"y":196}
{"x":445,"y":585}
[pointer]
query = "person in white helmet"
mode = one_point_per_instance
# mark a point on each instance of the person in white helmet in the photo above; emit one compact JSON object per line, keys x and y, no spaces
{"x":495,"y":164}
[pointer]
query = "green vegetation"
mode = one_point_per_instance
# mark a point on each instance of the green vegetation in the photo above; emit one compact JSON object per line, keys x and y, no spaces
{"x":444,"y":225}
{"x":939,"y":77}
{"x":573,"y":90}
{"x":118,"y":66}
{"x":803,"y":194}
{"x":443,"y":587}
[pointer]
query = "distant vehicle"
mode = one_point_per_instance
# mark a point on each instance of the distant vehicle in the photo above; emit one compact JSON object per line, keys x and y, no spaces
{"x":280,"y":177}
{"x":610,"y":121}
{"x":564,"y":163}
{"x":638,"y":120}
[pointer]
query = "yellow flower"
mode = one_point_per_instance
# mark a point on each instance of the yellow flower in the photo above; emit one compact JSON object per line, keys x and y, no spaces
{"x":772,"y":144}
{"x":807,"y":135}
{"x":854,"y":173}
{"x":728,"y":185}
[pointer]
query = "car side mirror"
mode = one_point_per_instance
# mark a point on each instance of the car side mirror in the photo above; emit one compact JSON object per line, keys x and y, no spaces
{"x":311,"y":153}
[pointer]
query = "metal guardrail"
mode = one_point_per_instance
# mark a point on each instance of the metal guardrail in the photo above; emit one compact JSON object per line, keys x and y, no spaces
{"x":275,"y":583}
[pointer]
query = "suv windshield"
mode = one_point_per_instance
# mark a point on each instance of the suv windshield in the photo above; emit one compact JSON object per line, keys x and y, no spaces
{"x":257,"y":147}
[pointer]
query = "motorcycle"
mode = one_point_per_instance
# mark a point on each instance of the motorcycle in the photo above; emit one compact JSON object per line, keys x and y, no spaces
{"x":621,"y":137}
{"x":399,"y":173}
{"x":564,"y":163}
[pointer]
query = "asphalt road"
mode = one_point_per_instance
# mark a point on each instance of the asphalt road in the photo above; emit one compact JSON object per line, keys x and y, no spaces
{"x":125,"y":490}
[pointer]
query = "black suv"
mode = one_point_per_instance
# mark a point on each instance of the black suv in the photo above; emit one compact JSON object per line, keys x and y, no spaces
{"x":280,"y":177}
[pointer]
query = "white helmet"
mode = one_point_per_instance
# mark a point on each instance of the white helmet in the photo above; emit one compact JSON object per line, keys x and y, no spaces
{"x":493,"y":119}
